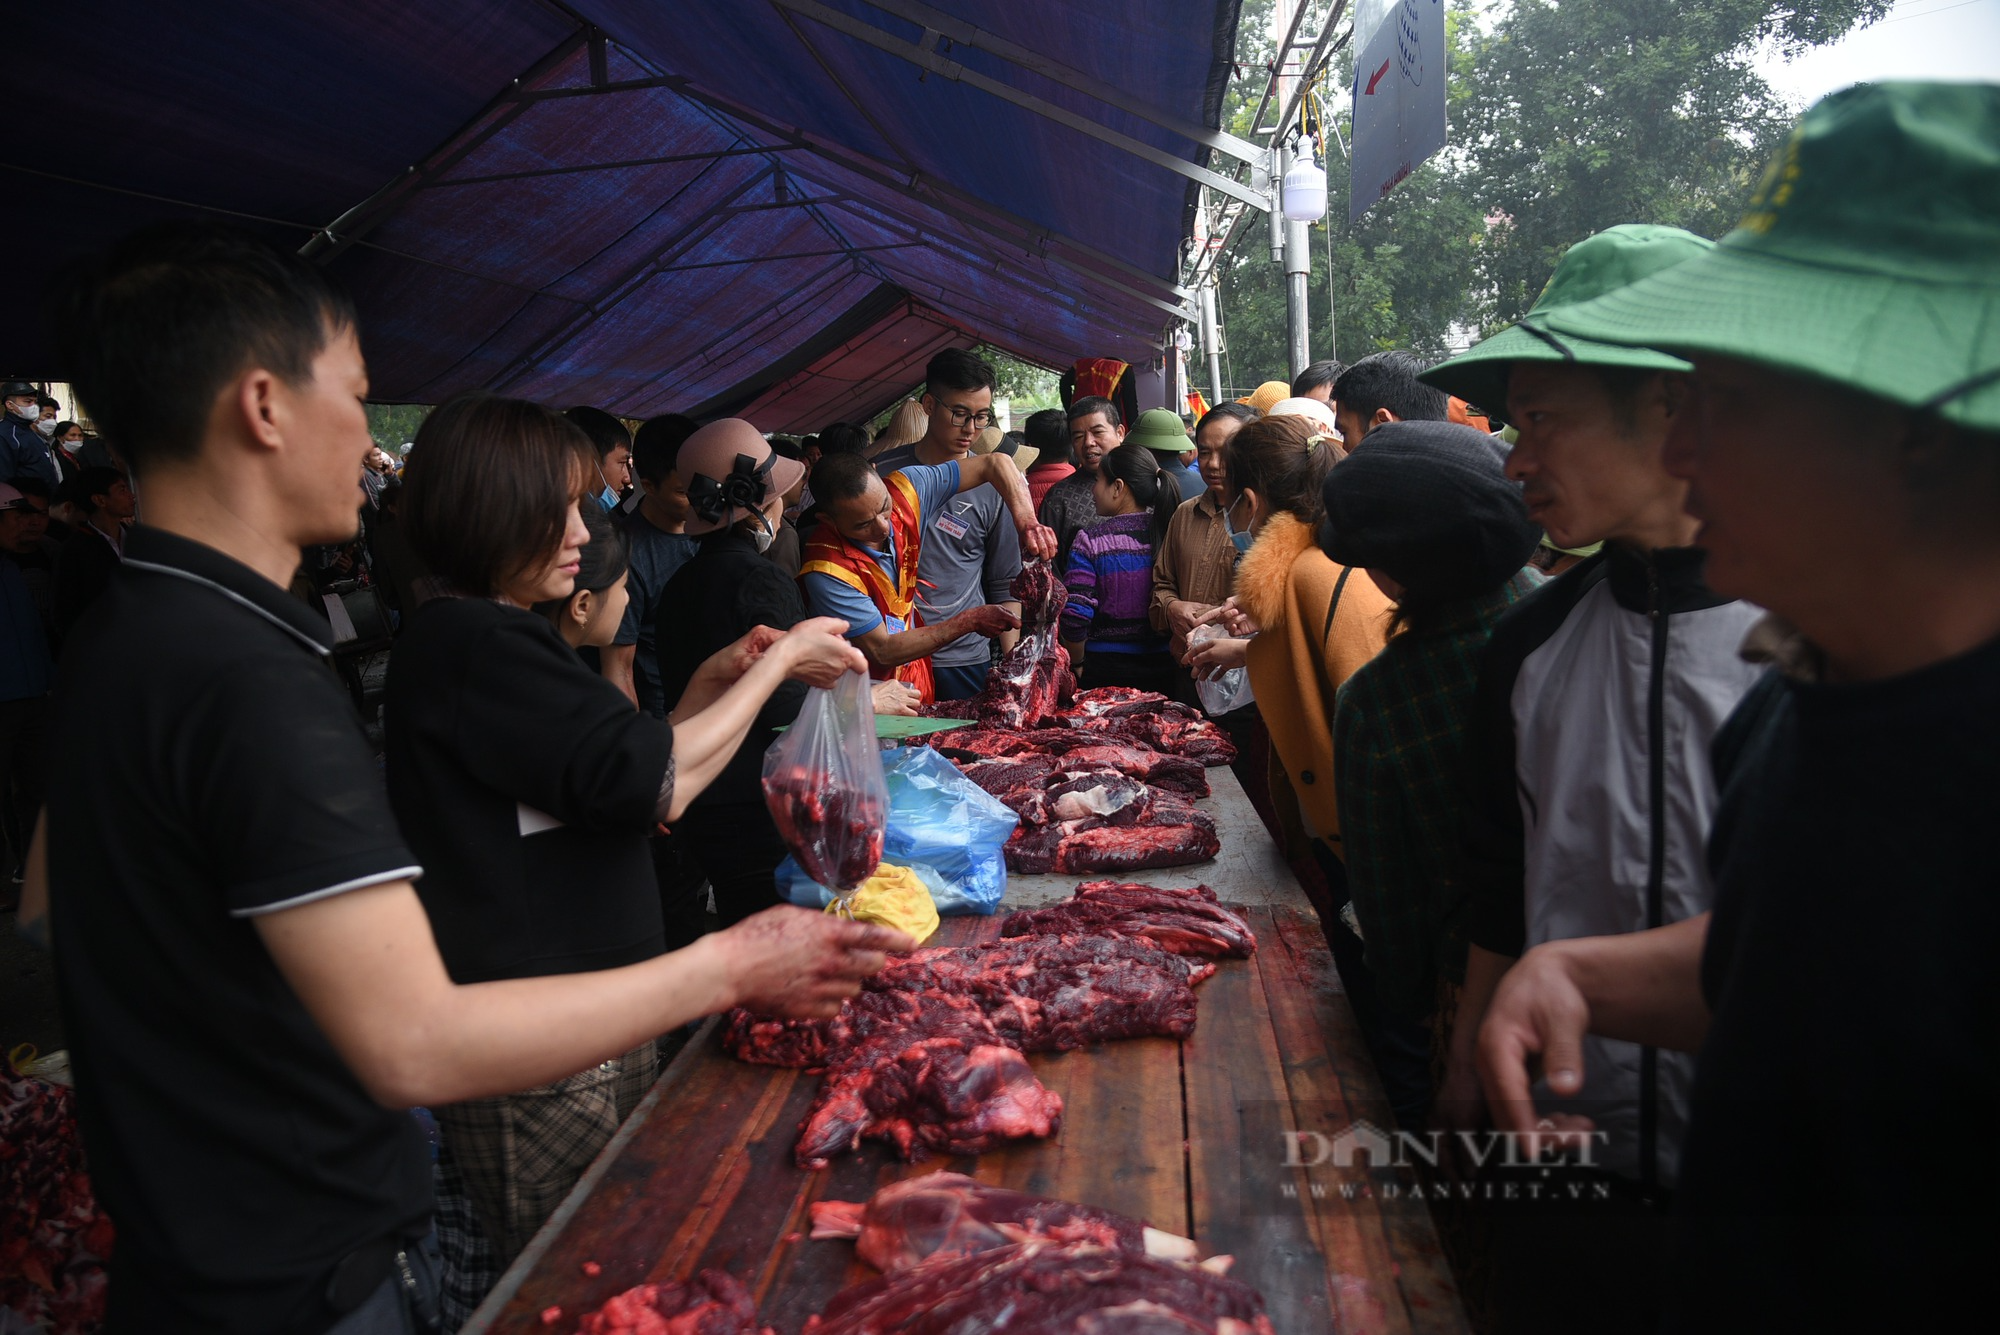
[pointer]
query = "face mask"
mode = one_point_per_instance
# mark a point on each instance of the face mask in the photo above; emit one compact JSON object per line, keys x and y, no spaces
{"x":46,"y":428}
{"x":28,"y":412}
{"x":1241,"y":540}
{"x":608,"y":499}
{"x":762,"y":540}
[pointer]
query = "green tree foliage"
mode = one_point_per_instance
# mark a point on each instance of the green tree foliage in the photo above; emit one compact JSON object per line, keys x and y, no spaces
{"x":1596,"y":112}
{"x":1565,"y":119}
{"x":393,"y":424}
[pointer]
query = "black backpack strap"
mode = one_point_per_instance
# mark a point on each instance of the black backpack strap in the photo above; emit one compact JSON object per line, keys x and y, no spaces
{"x":1334,"y":606}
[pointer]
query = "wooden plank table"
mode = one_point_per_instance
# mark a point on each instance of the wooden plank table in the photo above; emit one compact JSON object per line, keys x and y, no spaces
{"x":1189,"y":1136}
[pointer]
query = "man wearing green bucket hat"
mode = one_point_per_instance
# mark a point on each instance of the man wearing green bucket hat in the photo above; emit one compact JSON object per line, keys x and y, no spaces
{"x":1592,"y":794}
{"x":1841,"y":435}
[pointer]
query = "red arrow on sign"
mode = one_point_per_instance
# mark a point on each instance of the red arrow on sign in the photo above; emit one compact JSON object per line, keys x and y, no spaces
{"x":1376,"y":77}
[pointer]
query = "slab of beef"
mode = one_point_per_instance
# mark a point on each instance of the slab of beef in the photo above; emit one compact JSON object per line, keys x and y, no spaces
{"x":1120,"y":848}
{"x":712,"y":1303}
{"x":943,"y":1081}
{"x":1054,"y":993}
{"x":834,"y":830}
{"x":1174,"y":773}
{"x":949,"y":1214}
{"x":1040,"y":591}
{"x":1115,"y":701}
{"x":1003,"y":774}
{"x":1189,"y":922}
{"x":1033,"y":681}
{"x":1075,"y":1288}
{"x":1050,"y":749}
{"x":1194,"y":739}
{"x":1041,"y":993}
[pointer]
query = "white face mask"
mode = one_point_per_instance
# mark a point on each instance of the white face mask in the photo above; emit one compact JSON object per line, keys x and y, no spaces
{"x":47,"y":428}
{"x":28,"y":412}
{"x":762,"y":538}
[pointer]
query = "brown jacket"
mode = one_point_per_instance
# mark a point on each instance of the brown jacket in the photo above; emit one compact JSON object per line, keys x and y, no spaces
{"x":1298,"y":661}
{"x":1195,"y":559}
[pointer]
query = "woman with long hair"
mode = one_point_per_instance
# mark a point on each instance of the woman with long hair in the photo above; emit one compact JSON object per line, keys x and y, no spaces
{"x":907,"y":427}
{"x":527,"y":785}
{"x":1107,"y":623}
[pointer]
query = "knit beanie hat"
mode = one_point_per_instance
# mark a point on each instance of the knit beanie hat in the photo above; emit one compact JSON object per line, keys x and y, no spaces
{"x":1429,"y":504}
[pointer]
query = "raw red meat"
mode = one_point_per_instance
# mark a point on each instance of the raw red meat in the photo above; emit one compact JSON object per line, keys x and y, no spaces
{"x":1157,"y":768}
{"x":1115,"y":701}
{"x":942,"y":1081}
{"x":1194,"y":739}
{"x":948,"y":1214}
{"x":1092,"y":845}
{"x":1074,"y":1288}
{"x":1041,"y":594}
{"x":834,"y":831}
{"x":1003,"y":774}
{"x":54,"y":1239}
{"x":1041,"y":993}
{"x":1033,"y":681}
{"x":712,"y":1303}
{"x":1189,"y":922}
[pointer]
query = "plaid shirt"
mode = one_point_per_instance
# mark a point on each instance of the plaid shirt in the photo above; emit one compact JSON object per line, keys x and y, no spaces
{"x":1400,"y":772}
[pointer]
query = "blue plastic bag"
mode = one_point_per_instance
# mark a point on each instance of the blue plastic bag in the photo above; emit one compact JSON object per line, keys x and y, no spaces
{"x":943,"y":826}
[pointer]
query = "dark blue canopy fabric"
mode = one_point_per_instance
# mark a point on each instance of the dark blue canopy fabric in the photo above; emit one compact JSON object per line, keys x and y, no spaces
{"x":650,"y":207}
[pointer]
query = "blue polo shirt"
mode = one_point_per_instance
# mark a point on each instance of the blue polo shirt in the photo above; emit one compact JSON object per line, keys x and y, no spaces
{"x":829,"y":597}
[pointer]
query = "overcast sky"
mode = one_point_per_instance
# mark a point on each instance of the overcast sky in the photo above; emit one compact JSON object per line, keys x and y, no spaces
{"x":1920,"y":39}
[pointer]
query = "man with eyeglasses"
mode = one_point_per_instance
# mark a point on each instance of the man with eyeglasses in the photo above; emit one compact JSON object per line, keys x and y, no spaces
{"x":971,"y":550}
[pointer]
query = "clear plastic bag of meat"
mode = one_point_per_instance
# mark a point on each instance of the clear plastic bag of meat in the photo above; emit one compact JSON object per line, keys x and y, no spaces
{"x":1225,"y":691}
{"x":823,"y":784}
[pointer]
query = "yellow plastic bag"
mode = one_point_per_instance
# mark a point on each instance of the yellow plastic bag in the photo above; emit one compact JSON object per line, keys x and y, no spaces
{"x":895,"y":897}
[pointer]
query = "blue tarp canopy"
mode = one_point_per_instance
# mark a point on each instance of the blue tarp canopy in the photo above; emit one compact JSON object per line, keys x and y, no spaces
{"x":774,"y":207}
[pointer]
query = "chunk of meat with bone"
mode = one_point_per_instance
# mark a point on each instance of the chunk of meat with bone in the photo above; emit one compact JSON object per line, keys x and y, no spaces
{"x":712,"y":1303}
{"x":1003,"y":774}
{"x":942,"y":1081}
{"x":1117,"y":799}
{"x":1189,"y":922}
{"x":948,"y":1214}
{"x":1075,"y":1288}
{"x":1033,"y":681}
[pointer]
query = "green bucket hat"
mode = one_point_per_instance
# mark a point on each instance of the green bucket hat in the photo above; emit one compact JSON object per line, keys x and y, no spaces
{"x":1160,"y":429}
{"x":1614,"y":258}
{"x":1870,"y":256}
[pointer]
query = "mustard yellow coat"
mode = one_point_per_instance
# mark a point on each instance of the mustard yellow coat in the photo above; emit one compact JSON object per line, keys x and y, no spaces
{"x":1297,"y":661}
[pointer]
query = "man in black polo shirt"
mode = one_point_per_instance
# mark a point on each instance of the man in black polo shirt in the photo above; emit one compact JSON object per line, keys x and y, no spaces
{"x":1841,"y":437}
{"x":251,"y":987}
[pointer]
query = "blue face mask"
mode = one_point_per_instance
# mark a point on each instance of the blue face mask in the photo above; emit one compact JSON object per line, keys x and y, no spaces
{"x":1242,"y":539}
{"x":608,"y":499}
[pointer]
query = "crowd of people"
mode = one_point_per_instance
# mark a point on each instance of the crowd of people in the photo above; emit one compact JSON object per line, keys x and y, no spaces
{"x":1630,"y":679}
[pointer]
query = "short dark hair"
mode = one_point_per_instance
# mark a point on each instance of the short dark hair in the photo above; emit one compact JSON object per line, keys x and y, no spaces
{"x":1317,"y":376}
{"x":785,"y":447}
{"x":1234,"y":412}
{"x":843,"y":438}
{"x":92,"y":483}
{"x":606,"y":432}
{"x":1389,"y":380}
{"x":44,"y":401}
{"x":1048,"y":432}
{"x":956,"y":369}
{"x":840,"y":476}
{"x":153,"y":331}
{"x":656,"y":446}
{"x":488,"y":489}
{"x":1092,"y":403}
